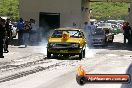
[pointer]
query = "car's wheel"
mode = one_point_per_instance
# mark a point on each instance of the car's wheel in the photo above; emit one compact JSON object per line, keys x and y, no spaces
{"x":84,"y":53}
{"x":81,"y":55}
{"x":48,"y":54}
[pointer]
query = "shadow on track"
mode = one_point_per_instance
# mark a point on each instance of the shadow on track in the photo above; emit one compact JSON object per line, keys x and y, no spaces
{"x":65,"y":57}
{"x":116,"y":46}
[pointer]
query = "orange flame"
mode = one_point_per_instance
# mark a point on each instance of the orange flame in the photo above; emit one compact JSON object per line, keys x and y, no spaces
{"x":81,"y":71}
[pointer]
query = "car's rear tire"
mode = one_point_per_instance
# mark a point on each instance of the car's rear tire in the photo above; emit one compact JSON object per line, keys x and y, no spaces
{"x":81,"y":55}
{"x":48,"y":54}
{"x":84,"y":53}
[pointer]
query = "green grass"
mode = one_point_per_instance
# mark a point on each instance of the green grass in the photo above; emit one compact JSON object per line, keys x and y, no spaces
{"x":109,"y":10}
{"x":9,"y":8}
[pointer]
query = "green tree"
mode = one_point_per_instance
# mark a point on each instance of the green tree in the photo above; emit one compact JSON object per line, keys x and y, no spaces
{"x":101,"y":10}
{"x":9,"y":8}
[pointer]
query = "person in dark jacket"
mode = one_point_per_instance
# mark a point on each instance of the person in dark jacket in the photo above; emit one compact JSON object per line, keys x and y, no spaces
{"x":2,"y":32}
{"x":26,"y":31}
{"x":7,"y":35}
{"x":20,"y":28}
{"x":127,"y":31}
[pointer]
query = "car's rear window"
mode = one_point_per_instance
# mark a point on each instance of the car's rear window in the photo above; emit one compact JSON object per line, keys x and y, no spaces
{"x":98,"y":31}
{"x":72,"y":33}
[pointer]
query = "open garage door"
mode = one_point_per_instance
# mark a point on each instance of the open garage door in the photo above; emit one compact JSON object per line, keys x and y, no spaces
{"x":49,"y":20}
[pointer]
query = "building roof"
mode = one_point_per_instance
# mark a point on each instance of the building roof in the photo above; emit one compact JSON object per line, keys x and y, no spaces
{"x":125,"y":1}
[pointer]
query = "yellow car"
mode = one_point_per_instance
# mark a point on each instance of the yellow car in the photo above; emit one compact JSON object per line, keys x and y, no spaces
{"x":67,"y":42}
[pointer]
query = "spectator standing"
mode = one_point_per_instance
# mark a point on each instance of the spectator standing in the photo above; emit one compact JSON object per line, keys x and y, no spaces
{"x":127,"y":31}
{"x":92,"y":26}
{"x":20,"y":28}
{"x":33,"y":33}
{"x":26,"y":31}
{"x":88,"y":31}
{"x":7,"y":35}
{"x":2,"y":32}
{"x":74,"y":25}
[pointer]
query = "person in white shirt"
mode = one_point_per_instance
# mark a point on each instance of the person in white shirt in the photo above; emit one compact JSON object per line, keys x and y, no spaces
{"x":88,"y":32}
{"x":92,"y":26}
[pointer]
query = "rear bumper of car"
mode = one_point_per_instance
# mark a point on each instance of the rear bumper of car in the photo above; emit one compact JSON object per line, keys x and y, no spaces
{"x":64,"y":51}
{"x":98,"y":43}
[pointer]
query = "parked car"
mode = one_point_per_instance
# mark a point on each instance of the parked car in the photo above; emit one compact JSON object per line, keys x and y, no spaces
{"x":67,"y":41}
{"x":109,"y":31}
{"x":14,"y":31}
{"x":98,"y":37}
{"x":109,"y":35}
{"x":109,"y":25}
{"x":116,"y":29}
